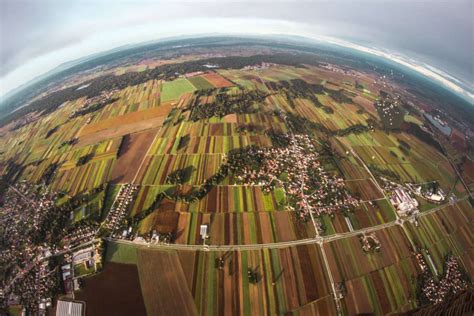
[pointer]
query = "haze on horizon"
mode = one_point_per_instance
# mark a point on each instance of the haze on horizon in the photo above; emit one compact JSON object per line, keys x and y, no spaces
{"x":438,"y":35}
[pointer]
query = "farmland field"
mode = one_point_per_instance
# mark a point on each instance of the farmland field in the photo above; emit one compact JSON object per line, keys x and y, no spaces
{"x":235,"y":180}
{"x":120,"y":285}
{"x":163,"y":284}
{"x":173,"y":90}
{"x":132,"y":151}
{"x":377,"y":283}
{"x":447,"y":232}
{"x":216,"y":80}
{"x":200,"y":82}
{"x":121,"y":253}
{"x":204,"y":289}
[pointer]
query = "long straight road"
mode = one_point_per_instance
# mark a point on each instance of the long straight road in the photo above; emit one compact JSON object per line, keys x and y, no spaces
{"x":307,"y":241}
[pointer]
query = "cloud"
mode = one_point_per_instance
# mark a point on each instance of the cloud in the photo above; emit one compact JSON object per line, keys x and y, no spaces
{"x":48,"y":33}
{"x":426,"y":70}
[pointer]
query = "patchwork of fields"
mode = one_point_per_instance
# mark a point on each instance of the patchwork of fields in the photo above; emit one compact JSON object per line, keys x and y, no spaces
{"x":290,"y":280}
{"x":151,"y":136}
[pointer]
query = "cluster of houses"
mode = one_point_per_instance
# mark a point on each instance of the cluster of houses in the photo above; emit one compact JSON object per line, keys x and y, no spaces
{"x":164,"y":238}
{"x":260,"y":66}
{"x":81,"y":234}
{"x":297,"y":169}
{"x":104,"y":97}
{"x":430,"y":194}
{"x":37,"y":286}
{"x":67,"y":276}
{"x":119,"y":209}
{"x":30,"y":278}
{"x":33,"y":288}
{"x":452,"y":282}
{"x":390,"y":109}
{"x":337,"y":69}
{"x":90,"y":257}
{"x":370,"y":242}
{"x":404,"y":197}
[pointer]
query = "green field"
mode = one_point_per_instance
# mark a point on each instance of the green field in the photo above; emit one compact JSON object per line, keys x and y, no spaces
{"x":81,"y":270}
{"x":120,"y":253}
{"x":174,"y":89}
{"x":200,"y":83}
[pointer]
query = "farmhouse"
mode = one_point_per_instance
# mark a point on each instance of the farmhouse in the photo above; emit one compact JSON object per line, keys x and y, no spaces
{"x":403,"y":202}
{"x":436,"y":197}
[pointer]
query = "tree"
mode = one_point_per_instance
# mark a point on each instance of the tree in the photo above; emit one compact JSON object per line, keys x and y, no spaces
{"x":84,"y":159}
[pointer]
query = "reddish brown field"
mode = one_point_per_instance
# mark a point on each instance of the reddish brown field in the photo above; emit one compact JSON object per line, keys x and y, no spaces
{"x":122,"y":125}
{"x":129,"y":118}
{"x":230,"y":118}
{"x":217,"y":80}
{"x":468,"y":171}
{"x":115,"y":291}
{"x":167,"y":222}
{"x":133,"y":151}
{"x":321,"y":307}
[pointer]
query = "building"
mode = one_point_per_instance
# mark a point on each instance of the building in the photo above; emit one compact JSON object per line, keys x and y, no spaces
{"x":83,"y":255}
{"x":403,"y":202}
{"x":436,"y":197}
{"x":70,"y":308}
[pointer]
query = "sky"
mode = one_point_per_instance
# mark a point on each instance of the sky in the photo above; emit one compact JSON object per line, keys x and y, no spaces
{"x":435,"y":37}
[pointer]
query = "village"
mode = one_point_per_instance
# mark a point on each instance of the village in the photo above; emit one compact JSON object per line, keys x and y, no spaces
{"x":118,"y":213}
{"x":434,"y":288}
{"x":297,"y":169}
{"x":33,"y":259}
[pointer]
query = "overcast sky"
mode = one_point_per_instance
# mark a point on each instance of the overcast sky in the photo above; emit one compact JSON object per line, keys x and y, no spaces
{"x":38,"y":35}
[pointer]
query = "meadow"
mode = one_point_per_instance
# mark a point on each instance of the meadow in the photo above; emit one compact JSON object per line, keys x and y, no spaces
{"x":174,"y":89}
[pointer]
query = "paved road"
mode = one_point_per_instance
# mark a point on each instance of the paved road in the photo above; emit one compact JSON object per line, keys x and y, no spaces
{"x":319,"y":240}
{"x":284,"y":244}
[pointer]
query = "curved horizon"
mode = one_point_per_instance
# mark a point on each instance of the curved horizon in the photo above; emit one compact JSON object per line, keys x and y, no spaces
{"x":431,"y":50}
{"x":440,"y":77}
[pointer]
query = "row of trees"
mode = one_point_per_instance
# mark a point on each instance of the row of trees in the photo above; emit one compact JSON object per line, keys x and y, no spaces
{"x":92,"y":108}
{"x":236,"y":159}
{"x":52,"y":101}
{"x":301,"y":125}
{"x":224,"y":103}
{"x":84,"y":159}
{"x":298,"y":88}
{"x":48,"y":175}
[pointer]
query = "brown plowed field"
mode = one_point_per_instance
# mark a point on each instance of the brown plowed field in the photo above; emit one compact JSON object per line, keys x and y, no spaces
{"x":115,"y":291}
{"x":217,"y":80}
{"x":164,"y":284}
{"x":133,"y":151}
{"x":125,"y":124}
